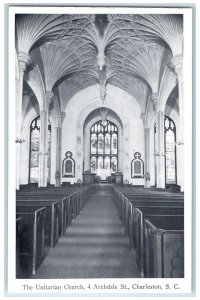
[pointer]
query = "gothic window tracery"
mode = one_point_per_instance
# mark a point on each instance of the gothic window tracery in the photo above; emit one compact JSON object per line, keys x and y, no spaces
{"x":34,"y":151}
{"x":104,"y":146}
{"x":170,"y":150}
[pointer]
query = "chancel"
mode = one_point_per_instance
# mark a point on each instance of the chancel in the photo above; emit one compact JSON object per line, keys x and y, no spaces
{"x":99,"y":146}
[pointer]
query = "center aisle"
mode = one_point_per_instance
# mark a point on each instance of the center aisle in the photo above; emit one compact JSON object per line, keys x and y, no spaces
{"x":94,"y":246}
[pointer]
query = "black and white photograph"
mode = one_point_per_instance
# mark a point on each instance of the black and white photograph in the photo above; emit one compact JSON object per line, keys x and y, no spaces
{"x":100,"y":139}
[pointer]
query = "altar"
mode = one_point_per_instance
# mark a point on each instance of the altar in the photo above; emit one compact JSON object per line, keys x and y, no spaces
{"x":103,"y":173}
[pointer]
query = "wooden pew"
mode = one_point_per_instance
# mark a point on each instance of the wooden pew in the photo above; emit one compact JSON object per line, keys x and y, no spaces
{"x":134,"y":190}
{"x":164,"y":247}
{"x":121,"y":201}
{"x":18,"y":235}
{"x":139,"y":214}
{"x":63,"y":206}
{"x":144,"y":201}
{"x":76,"y":199}
{"x":101,"y":187}
{"x":156,"y":208}
{"x":61,"y":191}
{"x":76,"y":204}
{"x":139,"y":230}
{"x":51,"y":220}
{"x":130,"y":204}
{"x":31,"y":239}
{"x":171,"y":202}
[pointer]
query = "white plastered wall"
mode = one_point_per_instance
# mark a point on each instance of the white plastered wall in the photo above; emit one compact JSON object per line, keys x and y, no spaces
{"x":128,"y":110}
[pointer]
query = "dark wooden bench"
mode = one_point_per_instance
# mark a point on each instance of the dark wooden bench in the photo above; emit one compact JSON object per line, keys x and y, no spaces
{"x":139,"y":229}
{"x":51,"y":220}
{"x":101,"y":187}
{"x":63,"y":206}
{"x":74,"y":201}
{"x":138,"y":216}
{"x":127,"y":203}
{"x":130,"y":204}
{"x":121,"y":200}
{"x":31,"y":248}
{"x":143,"y":192}
{"x":164,"y":247}
{"x":18,"y":235}
{"x":135,"y":215}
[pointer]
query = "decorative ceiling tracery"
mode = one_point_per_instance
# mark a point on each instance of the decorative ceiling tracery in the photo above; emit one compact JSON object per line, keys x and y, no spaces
{"x":77,"y":51}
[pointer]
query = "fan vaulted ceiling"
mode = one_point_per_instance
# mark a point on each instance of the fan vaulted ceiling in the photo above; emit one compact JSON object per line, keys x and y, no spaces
{"x":77,"y":51}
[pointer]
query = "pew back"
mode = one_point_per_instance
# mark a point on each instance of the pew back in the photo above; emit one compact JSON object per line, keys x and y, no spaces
{"x":31,"y":239}
{"x":136,"y":219}
{"x":51,"y":220}
{"x":164,"y":248}
{"x":18,"y":235}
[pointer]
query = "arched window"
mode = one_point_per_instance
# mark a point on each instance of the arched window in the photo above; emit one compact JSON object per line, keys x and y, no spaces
{"x":170,"y":151}
{"x":34,"y":151}
{"x":104,"y":147}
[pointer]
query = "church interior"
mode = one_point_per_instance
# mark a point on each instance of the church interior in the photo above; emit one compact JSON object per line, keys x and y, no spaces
{"x":99,"y":146}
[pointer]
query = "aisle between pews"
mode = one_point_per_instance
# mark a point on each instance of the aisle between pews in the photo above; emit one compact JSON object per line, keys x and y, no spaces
{"x":93,"y":247}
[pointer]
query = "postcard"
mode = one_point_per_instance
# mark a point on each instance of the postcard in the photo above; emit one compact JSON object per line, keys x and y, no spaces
{"x":100,"y":150}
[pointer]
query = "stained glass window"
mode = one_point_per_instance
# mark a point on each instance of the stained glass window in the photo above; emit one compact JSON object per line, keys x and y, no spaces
{"x":34,"y":151}
{"x":104,"y":146}
{"x":93,"y":143}
{"x":170,"y":151}
{"x":114,"y":164}
{"x":93,"y":164}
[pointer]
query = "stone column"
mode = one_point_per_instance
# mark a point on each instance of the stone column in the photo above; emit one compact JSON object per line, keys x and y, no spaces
{"x":160,"y":135}
{"x":146,"y":153}
{"x":58,"y":157}
{"x":160,"y":144}
{"x":25,"y":145}
{"x":23,"y":60}
{"x":177,"y":63}
{"x":86,"y":150}
{"x":62,"y":115}
{"x":44,"y":117}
